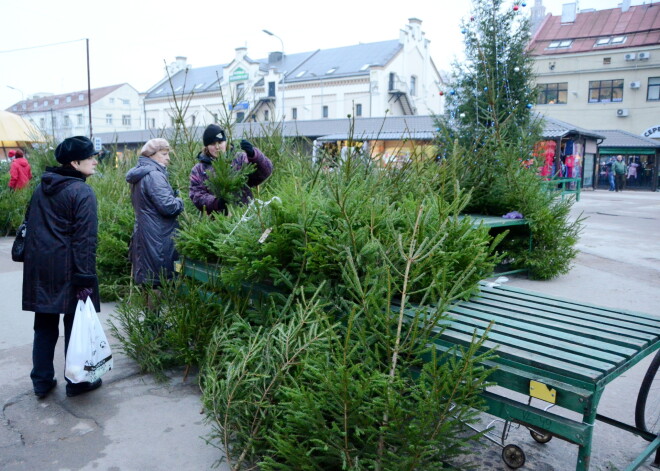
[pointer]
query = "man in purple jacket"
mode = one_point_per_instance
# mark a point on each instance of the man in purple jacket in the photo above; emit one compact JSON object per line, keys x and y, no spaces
{"x":215,"y":143}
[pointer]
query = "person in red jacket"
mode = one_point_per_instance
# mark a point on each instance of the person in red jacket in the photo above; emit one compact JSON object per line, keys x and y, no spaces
{"x":20,"y":172}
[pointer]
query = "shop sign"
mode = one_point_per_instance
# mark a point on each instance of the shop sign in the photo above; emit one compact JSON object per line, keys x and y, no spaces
{"x":652,"y":132}
{"x":243,"y":105}
{"x":238,"y":75}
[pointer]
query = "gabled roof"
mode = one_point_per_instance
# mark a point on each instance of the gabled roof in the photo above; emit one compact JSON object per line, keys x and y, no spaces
{"x":348,"y":61}
{"x":345,"y":61}
{"x":200,"y":79}
{"x":554,"y":128}
{"x":74,"y":100}
{"x":619,"y":138}
{"x":640,"y":25}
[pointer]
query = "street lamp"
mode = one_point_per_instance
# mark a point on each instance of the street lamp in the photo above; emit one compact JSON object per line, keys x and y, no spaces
{"x":283,"y":72}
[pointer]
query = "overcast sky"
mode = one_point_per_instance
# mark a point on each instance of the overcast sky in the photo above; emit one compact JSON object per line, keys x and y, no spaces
{"x":130,"y":41}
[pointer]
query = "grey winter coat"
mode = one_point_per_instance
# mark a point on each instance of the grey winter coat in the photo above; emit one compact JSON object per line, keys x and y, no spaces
{"x":156,"y":208}
{"x":60,"y":243}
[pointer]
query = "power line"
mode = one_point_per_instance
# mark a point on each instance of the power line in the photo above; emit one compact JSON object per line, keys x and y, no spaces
{"x":43,"y":45}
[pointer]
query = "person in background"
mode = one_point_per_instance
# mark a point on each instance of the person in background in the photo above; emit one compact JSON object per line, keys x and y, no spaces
{"x":610,"y":173}
{"x":20,"y":172}
{"x":60,"y":257}
{"x":215,"y":144}
{"x":619,"y":170}
{"x":156,"y":208}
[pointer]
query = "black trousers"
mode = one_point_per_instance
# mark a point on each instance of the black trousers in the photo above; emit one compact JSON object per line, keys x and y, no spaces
{"x":46,"y":333}
{"x":620,"y":180}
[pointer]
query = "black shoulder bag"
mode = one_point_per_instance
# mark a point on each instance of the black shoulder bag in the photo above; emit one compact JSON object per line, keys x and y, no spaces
{"x":18,"y":248}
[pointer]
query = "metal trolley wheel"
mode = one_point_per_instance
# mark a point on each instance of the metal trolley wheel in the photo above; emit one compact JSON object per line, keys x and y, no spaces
{"x":513,"y":456}
{"x":647,"y":409}
{"x":540,"y":436}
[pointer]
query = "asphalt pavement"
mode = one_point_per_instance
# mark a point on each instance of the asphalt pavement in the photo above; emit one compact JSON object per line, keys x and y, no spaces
{"x":136,"y":423}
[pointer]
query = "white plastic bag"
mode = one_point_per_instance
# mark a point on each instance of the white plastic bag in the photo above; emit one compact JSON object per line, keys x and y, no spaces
{"x":88,"y":356}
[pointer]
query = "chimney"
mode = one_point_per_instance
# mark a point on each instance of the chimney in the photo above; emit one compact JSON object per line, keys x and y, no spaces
{"x":568,"y":13}
{"x":241,"y":52}
{"x":275,"y":57}
{"x":181,"y":62}
{"x":625,"y":6}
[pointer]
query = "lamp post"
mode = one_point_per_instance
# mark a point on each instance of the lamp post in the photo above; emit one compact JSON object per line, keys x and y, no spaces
{"x":283,"y":72}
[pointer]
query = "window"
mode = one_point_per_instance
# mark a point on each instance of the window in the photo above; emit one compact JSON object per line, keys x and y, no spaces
{"x":126,"y":119}
{"x":325,"y":111}
{"x":198,"y":86}
{"x":413,"y":86}
{"x":266,"y":115}
{"x":54,"y":122}
{"x":553,"y":93}
{"x":193,"y":118}
{"x":68,"y":99}
{"x":271,"y":88}
{"x":240,"y":87}
{"x":358,"y":109}
{"x":108,"y":119}
{"x":606,"y":91}
{"x":610,"y":40}
{"x":364,"y":67}
{"x":35,"y":105}
{"x":240,"y":117}
{"x":57,"y":101}
{"x":112,"y":101}
{"x":294,"y":113}
{"x":152,"y":122}
{"x":607,"y":60}
{"x":300,"y":74}
{"x":81,"y":97}
{"x":126,"y":102}
{"x":46,"y":103}
{"x":42,"y":123}
{"x":561,"y":44}
{"x":331,"y":71}
{"x":391,"y":83}
{"x":653,"y":92}
{"x":67,"y":121}
{"x":79,"y":118}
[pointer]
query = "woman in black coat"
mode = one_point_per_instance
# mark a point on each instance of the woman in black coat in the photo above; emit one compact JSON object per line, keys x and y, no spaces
{"x":60,"y":257}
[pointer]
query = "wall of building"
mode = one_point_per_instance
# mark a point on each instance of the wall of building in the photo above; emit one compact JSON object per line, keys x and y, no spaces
{"x":74,"y":120}
{"x":637,"y":112}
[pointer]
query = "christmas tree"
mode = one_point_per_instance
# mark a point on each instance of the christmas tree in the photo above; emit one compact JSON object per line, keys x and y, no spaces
{"x":492,"y":91}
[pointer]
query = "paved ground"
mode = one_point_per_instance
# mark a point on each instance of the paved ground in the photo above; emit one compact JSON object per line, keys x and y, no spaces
{"x":133,"y":423}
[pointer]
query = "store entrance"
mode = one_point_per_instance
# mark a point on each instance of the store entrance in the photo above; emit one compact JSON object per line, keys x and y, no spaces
{"x":639,"y":171}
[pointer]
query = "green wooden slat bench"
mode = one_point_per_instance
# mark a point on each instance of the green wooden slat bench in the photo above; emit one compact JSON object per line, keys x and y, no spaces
{"x":574,"y":348}
{"x":577,"y":349}
{"x":496,"y":225}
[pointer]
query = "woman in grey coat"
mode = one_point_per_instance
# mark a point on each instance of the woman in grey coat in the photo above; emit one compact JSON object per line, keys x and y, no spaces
{"x":156,"y":207}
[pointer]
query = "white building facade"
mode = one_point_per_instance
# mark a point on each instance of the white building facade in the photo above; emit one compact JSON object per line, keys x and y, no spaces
{"x":387,"y":78}
{"x":114,"y":108}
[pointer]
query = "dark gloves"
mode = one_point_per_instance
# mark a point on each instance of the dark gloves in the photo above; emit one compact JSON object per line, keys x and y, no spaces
{"x":248,"y":148}
{"x":84,"y":293}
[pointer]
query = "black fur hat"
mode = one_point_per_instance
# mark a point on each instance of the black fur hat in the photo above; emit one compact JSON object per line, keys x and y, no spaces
{"x":74,"y":148}
{"x":213,"y":133}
